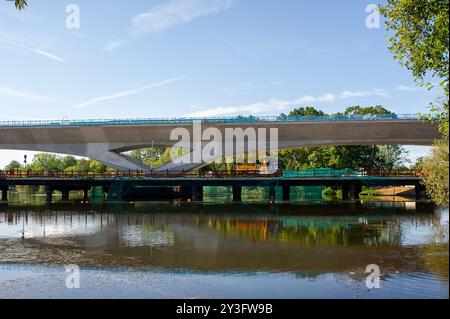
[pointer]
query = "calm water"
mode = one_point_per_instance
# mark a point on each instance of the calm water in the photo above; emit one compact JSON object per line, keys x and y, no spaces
{"x":151,"y":250}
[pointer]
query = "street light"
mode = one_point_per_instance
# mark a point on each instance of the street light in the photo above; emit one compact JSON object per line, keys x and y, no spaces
{"x":25,"y":162}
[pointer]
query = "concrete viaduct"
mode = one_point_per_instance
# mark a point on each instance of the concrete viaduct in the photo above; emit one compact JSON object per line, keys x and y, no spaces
{"x":107,"y":140}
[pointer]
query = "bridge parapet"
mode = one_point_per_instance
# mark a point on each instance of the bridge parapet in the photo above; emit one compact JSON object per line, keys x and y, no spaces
{"x":189,"y":120}
{"x":281,"y":174}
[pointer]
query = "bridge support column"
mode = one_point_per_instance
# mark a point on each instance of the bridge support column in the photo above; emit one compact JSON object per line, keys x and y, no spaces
{"x":237,"y":193}
{"x":85,"y":195}
{"x":4,"y":193}
{"x":420,"y":191}
{"x":48,"y":194}
{"x":197,"y":193}
{"x":272,"y":194}
{"x":65,"y":195}
{"x":105,"y":192}
{"x":345,"y":192}
{"x":186,"y":192}
{"x":286,"y":193}
{"x":353,"y":192}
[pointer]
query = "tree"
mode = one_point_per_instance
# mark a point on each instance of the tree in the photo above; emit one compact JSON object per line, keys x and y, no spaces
{"x":68,"y":161}
{"x":97,"y":167}
{"x":369,"y":110}
{"x":420,"y":42}
{"x":81,"y":166}
{"x":152,"y":156}
{"x":20,"y":4}
{"x":306,"y":111}
{"x":46,"y":162}
{"x":434,"y":170}
{"x":13,"y":165}
{"x":149,"y":156}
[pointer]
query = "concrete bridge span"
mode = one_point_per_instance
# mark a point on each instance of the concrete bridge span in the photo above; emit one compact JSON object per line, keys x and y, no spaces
{"x":106,"y":140}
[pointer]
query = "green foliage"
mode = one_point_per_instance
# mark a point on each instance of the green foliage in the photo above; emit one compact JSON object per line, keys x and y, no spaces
{"x":51,"y":162}
{"x":149,"y":156}
{"x":421,"y":39}
{"x":370,"y":110}
{"x":154,"y":156}
{"x":97,"y":167}
{"x":21,"y":4}
{"x":13,"y":165}
{"x":420,"y":42}
{"x":68,"y":161}
{"x":435,"y":172}
{"x":47,"y":162}
{"x":88,"y":166}
{"x":306,"y":111}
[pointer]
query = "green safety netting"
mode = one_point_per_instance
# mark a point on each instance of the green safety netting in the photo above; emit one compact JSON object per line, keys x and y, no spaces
{"x":321,"y":172}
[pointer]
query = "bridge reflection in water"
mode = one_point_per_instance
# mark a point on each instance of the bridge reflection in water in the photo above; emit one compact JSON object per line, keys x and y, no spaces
{"x":307,"y":240}
{"x":225,"y":251}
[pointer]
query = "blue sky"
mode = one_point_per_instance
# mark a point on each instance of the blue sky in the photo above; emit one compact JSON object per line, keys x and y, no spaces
{"x":170,"y":58}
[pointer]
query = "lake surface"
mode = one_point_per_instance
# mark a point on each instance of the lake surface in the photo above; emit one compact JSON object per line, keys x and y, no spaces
{"x":212,"y":250}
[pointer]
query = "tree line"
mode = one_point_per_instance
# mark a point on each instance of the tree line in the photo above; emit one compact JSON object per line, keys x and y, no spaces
{"x":46,"y":162}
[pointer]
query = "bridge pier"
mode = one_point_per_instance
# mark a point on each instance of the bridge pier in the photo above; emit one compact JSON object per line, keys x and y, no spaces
{"x":65,"y":195}
{"x":237,"y":193}
{"x":354,"y":192}
{"x":85,"y":195}
{"x":286,"y":193}
{"x":48,"y":194}
{"x":351,"y":192}
{"x":4,"y":191}
{"x":186,"y":192}
{"x":345,"y":192}
{"x":197,"y":193}
{"x":272,"y":194}
{"x":420,"y":191}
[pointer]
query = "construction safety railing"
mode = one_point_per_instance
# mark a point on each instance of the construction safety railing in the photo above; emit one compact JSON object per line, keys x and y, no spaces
{"x":313,"y":172}
{"x":190,"y":120}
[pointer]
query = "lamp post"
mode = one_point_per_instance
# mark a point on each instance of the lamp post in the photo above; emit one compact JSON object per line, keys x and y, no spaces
{"x":25,"y":163}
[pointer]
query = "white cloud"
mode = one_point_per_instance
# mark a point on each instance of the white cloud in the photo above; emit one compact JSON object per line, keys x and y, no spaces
{"x":174,"y":12}
{"x":23,"y":94}
{"x":43,"y":53}
{"x":409,"y":88}
{"x":48,"y":55}
{"x":12,"y":40}
{"x":281,"y":105}
{"x":115,"y":45}
{"x":352,"y":94}
{"x":128,"y":92}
